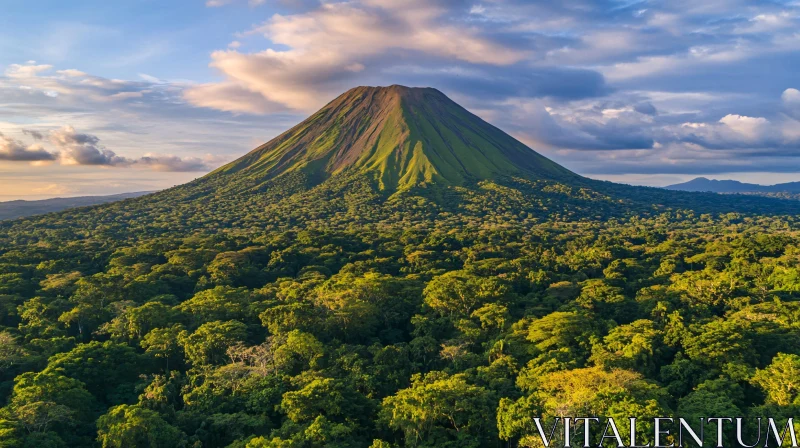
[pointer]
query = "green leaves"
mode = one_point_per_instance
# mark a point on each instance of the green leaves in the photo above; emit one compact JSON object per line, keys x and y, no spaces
{"x":335,"y":316}
{"x":210,"y":342}
{"x":458,"y":293}
{"x":441,"y":410}
{"x":781,"y":380}
{"x":131,"y":426}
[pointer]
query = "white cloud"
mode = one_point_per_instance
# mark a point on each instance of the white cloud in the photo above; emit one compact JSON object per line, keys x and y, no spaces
{"x":84,"y":149}
{"x":791,"y":102}
{"x":231,"y":97}
{"x":71,"y":72}
{"x":696,"y":56}
{"x":583,"y":126}
{"x":71,"y":83}
{"x":750,"y":128}
{"x":740,"y":132}
{"x":127,"y":95}
{"x":791,"y":96}
{"x":170,"y":163}
{"x":27,"y":70}
{"x":769,"y":22}
{"x":332,"y":43}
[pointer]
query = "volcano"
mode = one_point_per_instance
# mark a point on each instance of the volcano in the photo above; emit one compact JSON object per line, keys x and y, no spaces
{"x":397,"y":136}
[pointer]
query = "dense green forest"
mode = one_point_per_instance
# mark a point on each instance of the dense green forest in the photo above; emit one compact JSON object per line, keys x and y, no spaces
{"x":387,"y":323}
{"x":436,"y":302}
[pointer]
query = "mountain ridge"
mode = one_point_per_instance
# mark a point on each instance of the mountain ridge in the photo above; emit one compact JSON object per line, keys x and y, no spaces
{"x":24,"y":208}
{"x":733,"y":186}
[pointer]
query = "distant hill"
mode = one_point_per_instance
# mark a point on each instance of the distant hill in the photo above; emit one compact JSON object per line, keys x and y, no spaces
{"x":732,"y":186}
{"x":20,"y":208}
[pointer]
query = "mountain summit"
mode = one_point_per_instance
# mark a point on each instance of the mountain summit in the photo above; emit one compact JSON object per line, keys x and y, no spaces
{"x":398,"y":136}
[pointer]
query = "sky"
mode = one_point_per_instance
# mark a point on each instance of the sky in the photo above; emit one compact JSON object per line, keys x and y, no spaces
{"x":100,"y":97}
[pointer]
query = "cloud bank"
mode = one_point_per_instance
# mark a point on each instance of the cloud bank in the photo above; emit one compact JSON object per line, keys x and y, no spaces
{"x":75,"y":148}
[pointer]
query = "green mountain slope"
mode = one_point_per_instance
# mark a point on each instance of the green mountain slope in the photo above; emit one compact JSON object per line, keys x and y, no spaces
{"x":399,"y":137}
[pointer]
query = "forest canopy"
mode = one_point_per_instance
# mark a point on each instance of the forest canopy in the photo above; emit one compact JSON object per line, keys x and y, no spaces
{"x":388,"y":323}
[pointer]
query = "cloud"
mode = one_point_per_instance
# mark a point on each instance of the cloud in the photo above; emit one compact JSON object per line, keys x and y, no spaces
{"x":231,"y":97}
{"x":791,"y":96}
{"x":84,"y":149}
{"x":791,"y":102}
{"x":30,"y":70}
{"x":693,"y":57}
{"x":769,"y":22}
{"x":170,"y":163}
{"x":15,"y":151}
{"x":735,"y":132}
{"x":74,"y":84}
{"x":641,"y":133}
{"x":645,"y":108}
{"x":126,"y":95}
{"x":337,"y":43}
{"x":499,"y":83}
{"x":36,"y":135}
{"x":72,"y":73}
{"x":510,"y":48}
{"x":601,"y":125}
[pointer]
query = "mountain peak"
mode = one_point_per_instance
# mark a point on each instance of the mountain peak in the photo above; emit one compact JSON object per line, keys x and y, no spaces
{"x":392,"y":90}
{"x":399,"y":137}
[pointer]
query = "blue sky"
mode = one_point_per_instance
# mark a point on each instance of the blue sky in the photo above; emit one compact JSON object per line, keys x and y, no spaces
{"x":102,"y":97}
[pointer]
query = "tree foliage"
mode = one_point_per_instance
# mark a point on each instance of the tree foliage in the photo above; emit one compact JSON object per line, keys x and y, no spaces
{"x":302,"y":316}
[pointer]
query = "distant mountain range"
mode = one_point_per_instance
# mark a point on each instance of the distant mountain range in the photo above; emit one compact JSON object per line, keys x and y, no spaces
{"x":20,"y":208}
{"x":733,"y":186}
